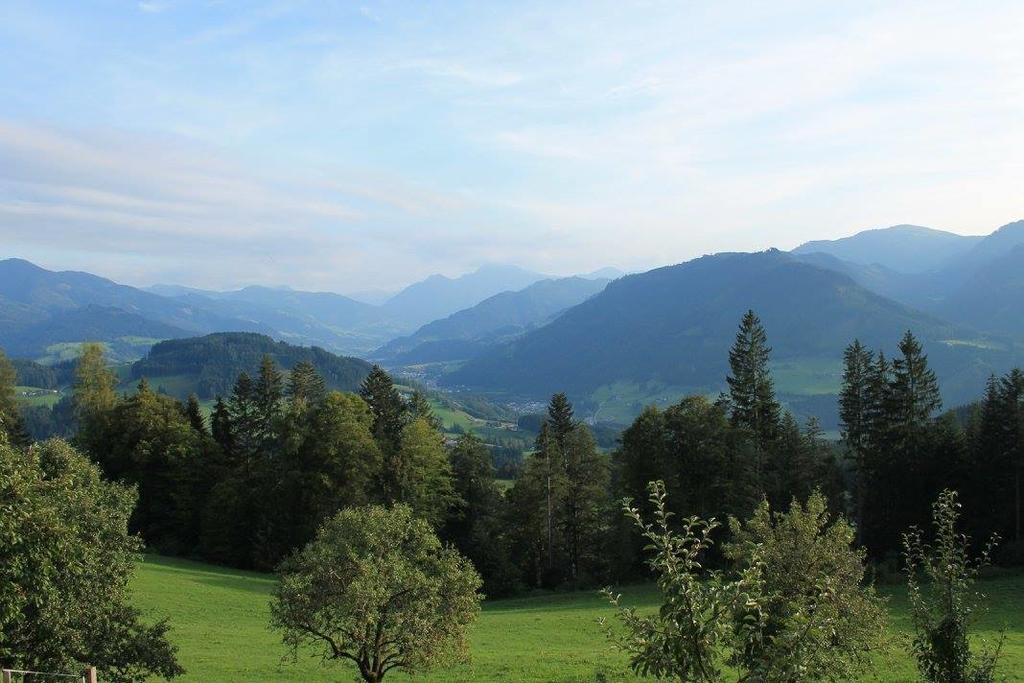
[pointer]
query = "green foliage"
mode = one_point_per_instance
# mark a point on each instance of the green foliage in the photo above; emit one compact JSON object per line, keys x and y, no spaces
{"x":558,"y":506}
{"x":794,"y":610}
{"x":751,"y":390}
{"x":212,"y":363}
{"x":95,"y":386}
{"x":67,"y":559}
{"x":419,"y":473}
{"x":376,"y":587}
{"x":944,"y":604}
{"x":388,"y":407}
{"x":815,"y":619}
{"x":687,"y":637}
{"x":476,"y":522}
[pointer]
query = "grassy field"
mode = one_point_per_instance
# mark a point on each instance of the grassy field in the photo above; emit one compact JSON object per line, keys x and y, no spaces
{"x":219,"y":620}
{"x":34,"y":396}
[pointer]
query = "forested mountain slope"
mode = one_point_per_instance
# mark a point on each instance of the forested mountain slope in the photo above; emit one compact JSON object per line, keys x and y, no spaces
{"x":671,"y":326}
{"x":210,"y":365}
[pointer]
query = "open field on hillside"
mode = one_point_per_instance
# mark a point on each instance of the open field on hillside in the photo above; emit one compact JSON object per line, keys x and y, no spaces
{"x":219,"y":620}
{"x":34,"y":396}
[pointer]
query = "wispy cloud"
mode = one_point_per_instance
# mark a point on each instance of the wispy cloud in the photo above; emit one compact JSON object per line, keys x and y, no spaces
{"x":311,"y":143}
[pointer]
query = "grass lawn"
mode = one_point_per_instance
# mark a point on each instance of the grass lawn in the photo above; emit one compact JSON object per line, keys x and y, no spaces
{"x":219,"y":622}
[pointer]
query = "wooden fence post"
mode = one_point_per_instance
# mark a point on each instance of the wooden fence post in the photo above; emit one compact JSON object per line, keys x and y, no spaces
{"x":90,"y":675}
{"x":7,"y":676}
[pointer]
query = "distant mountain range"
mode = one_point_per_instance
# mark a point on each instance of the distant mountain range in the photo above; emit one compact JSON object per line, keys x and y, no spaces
{"x":614,"y":344}
{"x":43,"y":313}
{"x":504,"y":316}
{"x":903,"y":248}
{"x":667,"y":331}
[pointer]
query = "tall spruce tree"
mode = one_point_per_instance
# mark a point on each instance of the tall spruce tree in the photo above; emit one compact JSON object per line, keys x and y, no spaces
{"x":220,"y":426}
{"x":914,"y":394}
{"x":560,"y":417}
{"x":194,"y":414}
{"x":388,"y":407}
{"x":268,"y":395}
{"x":305,"y":383}
{"x":751,"y":390}
{"x":855,"y":398}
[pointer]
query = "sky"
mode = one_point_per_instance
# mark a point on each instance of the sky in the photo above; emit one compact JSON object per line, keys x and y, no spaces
{"x":351,"y":146}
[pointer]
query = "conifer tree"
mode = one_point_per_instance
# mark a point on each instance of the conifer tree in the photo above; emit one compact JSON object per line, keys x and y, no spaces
{"x":220,"y":426}
{"x":560,"y":417}
{"x":388,"y":408}
{"x":915,"y":390}
{"x":855,"y":412}
{"x":306,"y":384}
{"x":751,"y":390}
{"x":419,"y":409}
{"x":268,"y":395}
{"x":194,"y":413}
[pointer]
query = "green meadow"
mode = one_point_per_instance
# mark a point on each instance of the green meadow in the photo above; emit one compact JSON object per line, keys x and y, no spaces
{"x":219,"y":622}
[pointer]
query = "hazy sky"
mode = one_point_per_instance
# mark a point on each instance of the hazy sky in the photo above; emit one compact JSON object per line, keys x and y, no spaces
{"x":348,"y":145}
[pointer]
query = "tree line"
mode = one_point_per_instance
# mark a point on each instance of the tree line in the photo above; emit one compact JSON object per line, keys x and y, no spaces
{"x":281,"y":453}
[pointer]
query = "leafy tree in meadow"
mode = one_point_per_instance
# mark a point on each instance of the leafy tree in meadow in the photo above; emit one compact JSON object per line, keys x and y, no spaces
{"x":751,"y":390}
{"x":68,"y":558}
{"x":378,"y":589}
{"x":943,"y":602}
{"x":388,"y":408}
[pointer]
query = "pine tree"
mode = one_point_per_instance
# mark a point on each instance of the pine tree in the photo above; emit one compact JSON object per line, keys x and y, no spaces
{"x":306,"y":384}
{"x":242,"y":408}
{"x":855,"y":408}
{"x":1011,"y":398}
{"x":268,"y":394}
{"x":388,"y":408}
{"x":560,"y":417}
{"x":220,"y":426}
{"x":419,"y":409}
{"x":194,"y":413}
{"x":915,"y":390}
{"x":751,"y":390}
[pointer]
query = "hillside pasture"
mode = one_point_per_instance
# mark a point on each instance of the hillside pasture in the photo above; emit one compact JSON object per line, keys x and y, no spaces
{"x":219,"y":622}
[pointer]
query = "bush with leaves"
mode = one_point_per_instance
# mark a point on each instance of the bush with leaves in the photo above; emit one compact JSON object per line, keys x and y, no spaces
{"x":794,"y":610}
{"x":943,"y":601}
{"x":67,"y":559}
{"x":376,"y":587}
{"x":686,"y":639}
{"x":815,"y":618}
